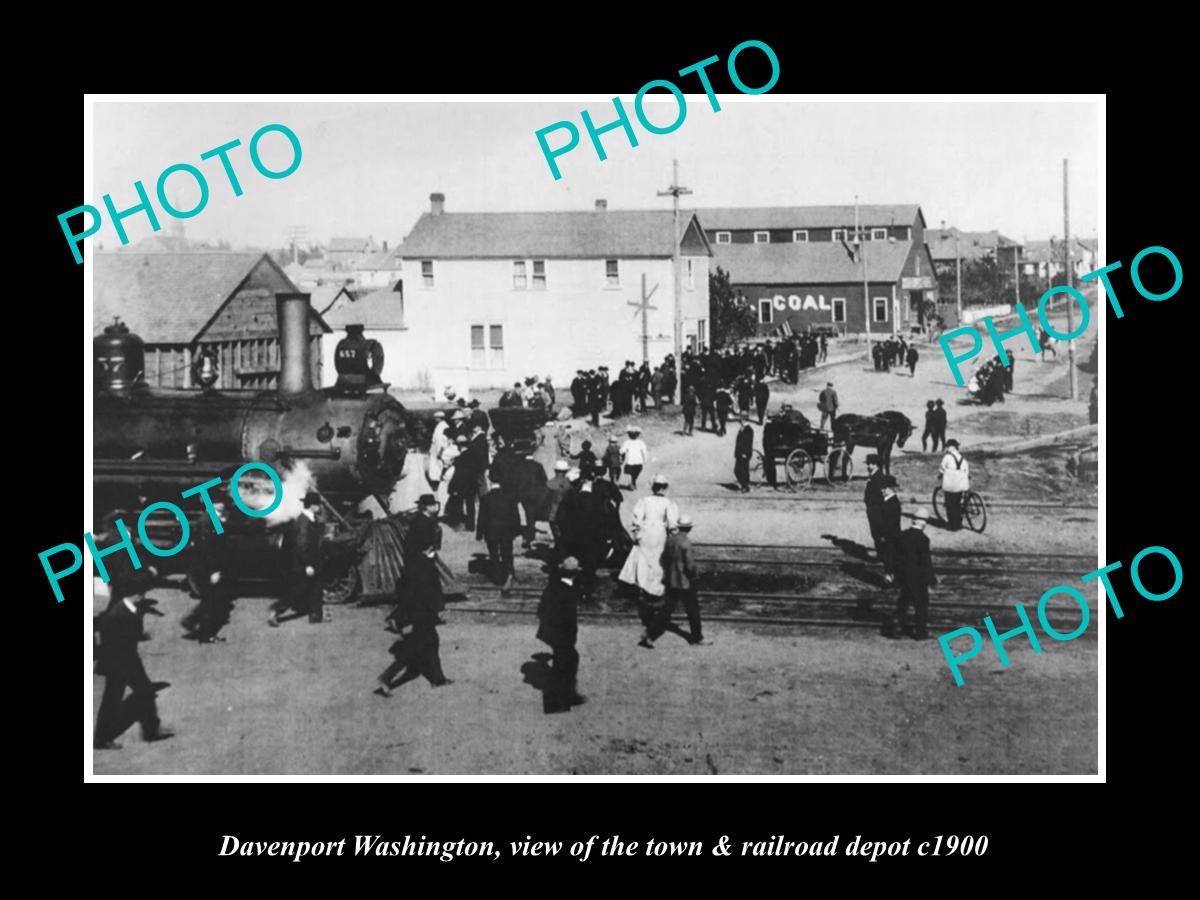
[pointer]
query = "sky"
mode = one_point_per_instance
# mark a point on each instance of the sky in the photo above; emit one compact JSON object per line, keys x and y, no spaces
{"x":368,"y":168}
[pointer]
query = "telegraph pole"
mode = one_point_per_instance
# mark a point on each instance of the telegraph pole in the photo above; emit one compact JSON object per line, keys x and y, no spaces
{"x":645,"y":307}
{"x":1070,"y":273}
{"x":674,"y":191}
{"x":958,"y":276}
{"x":861,"y":241}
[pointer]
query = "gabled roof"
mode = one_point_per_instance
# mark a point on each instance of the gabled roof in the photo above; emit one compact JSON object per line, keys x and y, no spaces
{"x":592,"y":234}
{"x":383,"y":308}
{"x":813,"y":262}
{"x":971,"y":244}
{"x":351,"y":245}
{"x":170,"y":298}
{"x":1041,"y":251}
{"x":735,"y":218}
{"x":384,"y":259}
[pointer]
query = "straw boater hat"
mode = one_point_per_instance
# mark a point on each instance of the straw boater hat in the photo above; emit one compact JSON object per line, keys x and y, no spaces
{"x":659,"y":480}
{"x":633,"y":429}
{"x":562,"y":466}
{"x":920,"y":515}
{"x":685,"y":522}
{"x":612,"y":438}
{"x":438,"y":414}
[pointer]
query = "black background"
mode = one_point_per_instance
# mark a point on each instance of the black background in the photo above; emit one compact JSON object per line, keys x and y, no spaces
{"x":174,"y":831}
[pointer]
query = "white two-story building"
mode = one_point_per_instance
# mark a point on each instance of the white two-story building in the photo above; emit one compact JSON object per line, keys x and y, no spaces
{"x":490,"y":298}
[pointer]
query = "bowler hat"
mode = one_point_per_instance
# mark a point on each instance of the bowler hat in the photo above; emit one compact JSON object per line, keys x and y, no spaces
{"x":872,"y":459}
{"x":312,"y":498}
{"x":427,"y":500}
{"x":952,"y":442}
{"x":889,"y":481}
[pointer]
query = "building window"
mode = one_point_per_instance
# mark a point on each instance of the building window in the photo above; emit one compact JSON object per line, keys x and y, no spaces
{"x":487,"y":346}
{"x":879,"y":234}
{"x":764,"y":311}
{"x":724,"y":237}
{"x":839,"y":234}
{"x":799,"y":237}
{"x":612,"y":274}
{"x":909,"y":238}
{"x":691,"y":274}
{"x":519,"y":275}
{"x":839,"y":309}
{"x":427,"y":272}
{"x":879,"y":312}
{"x":702,"y":332}
{"x":762,"y":237}
{"x":539,"y":274}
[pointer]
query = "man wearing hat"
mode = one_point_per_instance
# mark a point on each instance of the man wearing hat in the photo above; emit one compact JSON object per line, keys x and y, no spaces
{"x":956,"y":480}
{"x":762,"y":394}
{"x":580,"y":527}
{"x":873,"y":499}
{"x":121,"y":627}
{"x":827,"y":403}
{"x":743,"y":450}
{"x":679,"y":570}
{"x":916,"y":578}
{"x":887,"y":542}
{"x":478,"y":418}
{"x":498,"y":526}
{"x":634,"y":453}
{"x":688,"y":402}
{"x":211,"y":579}
{"x":558,"y":628}
{"x":939,"y":425}
{"x":302,"y":548}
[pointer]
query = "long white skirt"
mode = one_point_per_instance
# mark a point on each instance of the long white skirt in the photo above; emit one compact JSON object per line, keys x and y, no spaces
{"x":643,"y":567}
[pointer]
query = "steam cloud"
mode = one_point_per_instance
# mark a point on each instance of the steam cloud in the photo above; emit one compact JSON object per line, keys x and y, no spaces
{"x":258,"y":492}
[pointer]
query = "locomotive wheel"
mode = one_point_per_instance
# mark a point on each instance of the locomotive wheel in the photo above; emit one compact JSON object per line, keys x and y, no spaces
{"x":939,"y":503}
{"x":343,"y":588}
{"x":839,"y":468}
{"x":976,"y":512}
{"x":799,"y":467}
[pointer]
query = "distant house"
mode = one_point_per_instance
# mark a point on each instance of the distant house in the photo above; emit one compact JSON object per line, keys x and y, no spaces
{"x":179,"y":303}
{"x":948,"y":244}
{"x":346,"y":253}
{"x":380,"y":269}
{"x":1043,"y":260}
{"x":799,"y":265}
{"x":490,"y":298}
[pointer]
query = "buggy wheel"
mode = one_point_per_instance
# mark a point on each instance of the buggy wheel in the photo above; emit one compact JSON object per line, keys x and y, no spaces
{"x":756,"y":466}
{"x":839,"y":468}
{"x":976,"y":512}
{"x":343,"y":587}
{"x":799,"y":468}
{"x":938,"y":502}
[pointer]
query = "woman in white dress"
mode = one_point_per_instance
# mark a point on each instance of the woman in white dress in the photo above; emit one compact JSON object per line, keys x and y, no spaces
{"x":653,"y":517}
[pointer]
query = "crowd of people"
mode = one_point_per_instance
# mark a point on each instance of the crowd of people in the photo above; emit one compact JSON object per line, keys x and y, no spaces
{"x":992,"y":380}
{"x":893,"y":353}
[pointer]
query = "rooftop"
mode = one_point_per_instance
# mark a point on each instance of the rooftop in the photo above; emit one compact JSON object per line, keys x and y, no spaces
{"x":767,"y":217}
{"x":823,"y":262}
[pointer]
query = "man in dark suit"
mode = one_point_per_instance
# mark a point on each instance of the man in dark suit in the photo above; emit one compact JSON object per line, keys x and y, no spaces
{"x":580,"y":524}
{"x":121,"y":628}
{"x":689,"y":409}
{"x":888,"y":540}
{"x":419,"y":602}
{"x":762,"y":393}
{"x":743,"y":451}
{"x":303,"y":591}
{"x":529,"y":486}
{"x":679,"y":574}
{"x":873,"y":499}
{"x":558,"y":627}
{"x":212,"y":579}
{"x":939,"y":425}
{"x":499,"y":524}
{"x":916,"y":577}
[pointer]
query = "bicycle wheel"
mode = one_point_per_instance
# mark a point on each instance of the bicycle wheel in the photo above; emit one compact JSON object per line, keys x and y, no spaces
{"x":938,"y":502}
{"x":839,"y":468}
{"x":799,"y":467}
{"x":976,"y":512}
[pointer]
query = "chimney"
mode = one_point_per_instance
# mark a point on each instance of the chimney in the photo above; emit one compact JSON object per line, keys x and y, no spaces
{"x":437,"y":204}
{"x":295,"y":373}
{"x":601,"y":205}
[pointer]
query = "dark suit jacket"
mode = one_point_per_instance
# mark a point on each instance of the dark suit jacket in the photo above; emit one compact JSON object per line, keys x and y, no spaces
{"x":120,"y":632}
{"x":679,"y":567}
{"x":873,"y":496}
{"x":743,"y":448}
{"x":499,"y":519}
{"x":889,"y":518}
{"x":916,"y":564}
{"x":557,"y":613}
{"x":302,"y":547}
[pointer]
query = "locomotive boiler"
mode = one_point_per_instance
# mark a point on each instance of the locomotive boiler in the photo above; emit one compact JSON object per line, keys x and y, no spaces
{"x":151,"y":444}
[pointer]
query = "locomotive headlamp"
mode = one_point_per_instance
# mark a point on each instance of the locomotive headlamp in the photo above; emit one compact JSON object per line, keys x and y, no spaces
{"x":325,"y":433}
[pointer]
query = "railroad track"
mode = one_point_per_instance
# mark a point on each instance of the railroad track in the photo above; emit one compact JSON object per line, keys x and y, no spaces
{"x":811,"y":497}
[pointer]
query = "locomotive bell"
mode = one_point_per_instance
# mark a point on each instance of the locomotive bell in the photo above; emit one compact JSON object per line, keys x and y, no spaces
{"x":119,"y":357}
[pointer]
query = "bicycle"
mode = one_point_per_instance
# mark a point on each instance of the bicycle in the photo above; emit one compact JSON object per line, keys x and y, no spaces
{"x":973,"y":507}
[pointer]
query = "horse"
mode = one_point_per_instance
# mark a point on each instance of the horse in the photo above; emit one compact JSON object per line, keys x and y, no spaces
{"x":880,"y":431}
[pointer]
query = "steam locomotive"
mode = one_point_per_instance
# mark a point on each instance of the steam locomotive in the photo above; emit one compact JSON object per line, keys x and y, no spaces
{"x":152,"y":444}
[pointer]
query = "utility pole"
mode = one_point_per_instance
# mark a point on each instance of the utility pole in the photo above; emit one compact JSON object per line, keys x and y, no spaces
{"x":1070,"y":282}
{"x":861,"y":241}
{"x":674,"y":191}
{"x":1016,"y":275}
{"x":958,"y":276}
{"x":645,"y":307}
{"x":295,"y":235}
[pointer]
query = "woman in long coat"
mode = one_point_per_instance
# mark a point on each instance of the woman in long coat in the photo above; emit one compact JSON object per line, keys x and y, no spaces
{"x":653,"y":517}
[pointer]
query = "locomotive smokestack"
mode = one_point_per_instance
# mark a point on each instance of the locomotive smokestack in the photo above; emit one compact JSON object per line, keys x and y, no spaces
{"x":295,"y":372}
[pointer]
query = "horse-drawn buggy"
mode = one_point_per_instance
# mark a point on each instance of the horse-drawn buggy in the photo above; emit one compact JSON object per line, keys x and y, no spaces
{"x":789,"y":437}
